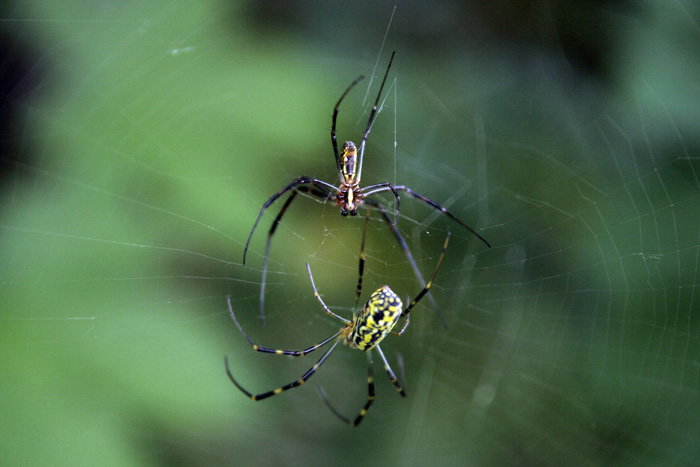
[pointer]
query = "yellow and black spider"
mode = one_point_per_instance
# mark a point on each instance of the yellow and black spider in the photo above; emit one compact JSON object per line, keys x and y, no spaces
{"x":349,"y":196}
{"x":367,"y":329}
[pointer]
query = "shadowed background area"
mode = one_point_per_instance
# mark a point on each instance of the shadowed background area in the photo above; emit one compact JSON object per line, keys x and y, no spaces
{"x":140,"y":141}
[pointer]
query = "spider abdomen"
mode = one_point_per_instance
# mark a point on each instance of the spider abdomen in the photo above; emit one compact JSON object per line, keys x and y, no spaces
{"x":377,"y":318}
{"x":348,"y":157}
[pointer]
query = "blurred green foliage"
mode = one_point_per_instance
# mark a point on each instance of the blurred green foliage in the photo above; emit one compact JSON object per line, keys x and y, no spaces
{"x":155,"y":131}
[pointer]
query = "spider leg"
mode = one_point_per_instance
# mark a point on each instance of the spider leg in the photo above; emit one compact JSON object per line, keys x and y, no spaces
{"x":286,"y":387}
{"x":293,"y":353}
{"x":429,"y":284}
{"x":422,"y":292}
{"x":318,"y":297}
{"x":372,"y":116}
{"x":358,"y":290}
{"x":442,"y":209}
{"x":320,"y":192}
{"x":370,"y":397}
{"x":406,"y":251}
{"x":380,"y":187}
{"x":335,"y":117}
{"x":295,"y":183}
{"x":405,"y":325}
{"x":392,"y":376}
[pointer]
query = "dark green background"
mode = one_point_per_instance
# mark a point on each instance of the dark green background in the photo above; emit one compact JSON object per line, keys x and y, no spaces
{"x":140,"y":139}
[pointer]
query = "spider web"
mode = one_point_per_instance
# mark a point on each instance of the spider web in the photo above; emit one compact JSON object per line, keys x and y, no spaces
{"x":140,"y":142}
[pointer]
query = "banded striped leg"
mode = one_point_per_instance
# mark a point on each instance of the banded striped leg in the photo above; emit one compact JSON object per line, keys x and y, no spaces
{"x":370,"y":390}
{"x":370,"y":397}
{"x":407,"y":253}
{"x":294,"y":353}
{"x":286,"y":387}
{"x":389,"y":371}
{"x":426,"y":289}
